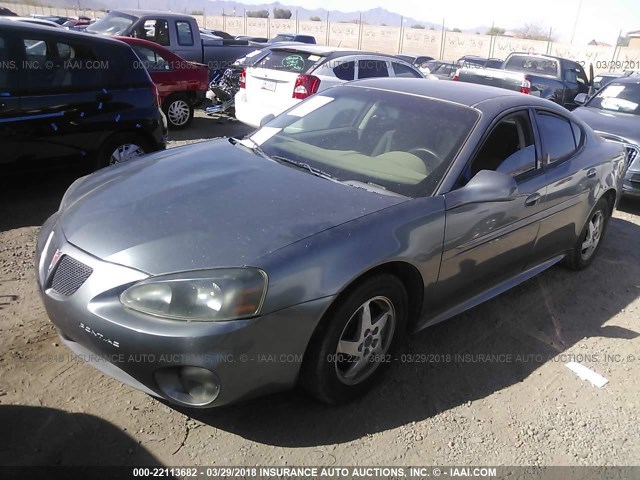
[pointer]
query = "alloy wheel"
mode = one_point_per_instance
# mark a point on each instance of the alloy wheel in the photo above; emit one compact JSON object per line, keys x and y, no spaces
{"x":365,"y":340}
{"x":178,"y":112}
{"x":593,"y":236}
{"x":125,"y":152}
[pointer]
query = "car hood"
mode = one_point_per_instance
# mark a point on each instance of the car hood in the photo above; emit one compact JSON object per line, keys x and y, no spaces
{"x":624,"y":125}
{"x":203,"y":206}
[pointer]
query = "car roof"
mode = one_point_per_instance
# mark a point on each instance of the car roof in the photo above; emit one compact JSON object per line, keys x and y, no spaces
{"x":313,"y":49}
{"x":149,"y":13}
{"x":61,"y":32}
{"x":467,"y":94}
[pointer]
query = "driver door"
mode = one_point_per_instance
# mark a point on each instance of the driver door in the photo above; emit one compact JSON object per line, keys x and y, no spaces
{"x":488,"y":243}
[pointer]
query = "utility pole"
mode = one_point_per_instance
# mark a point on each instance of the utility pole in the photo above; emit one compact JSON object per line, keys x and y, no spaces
{"x":575,"y":24}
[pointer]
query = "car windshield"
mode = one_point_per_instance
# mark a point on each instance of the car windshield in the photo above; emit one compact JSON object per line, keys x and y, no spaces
{"x":535,"y":65}
{"x":112,"y":24}
{"x":372,"y":138}
{"x":618,"y":97}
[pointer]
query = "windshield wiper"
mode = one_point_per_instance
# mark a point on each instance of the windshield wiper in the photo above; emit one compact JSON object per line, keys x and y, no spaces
{"x":254,"y":147}
{"x":305,"y":166}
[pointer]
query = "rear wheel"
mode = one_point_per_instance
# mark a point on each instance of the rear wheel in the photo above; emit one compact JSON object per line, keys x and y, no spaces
{"x":122,"y":147}
{"x":355,"y":341}
{"x":590,"y":239}
{"x":178,"y":110}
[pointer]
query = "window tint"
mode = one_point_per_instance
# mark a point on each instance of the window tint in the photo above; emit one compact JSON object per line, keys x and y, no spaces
{"x":509,"y":148}
{"x":372,"y":69}
{"x":345,"y":71}
{"x":54,"y":65}
{"x":7,"y":67}
{"x":401,"y":70}
{"x":185,"y":35}
{"x":557,"y":136}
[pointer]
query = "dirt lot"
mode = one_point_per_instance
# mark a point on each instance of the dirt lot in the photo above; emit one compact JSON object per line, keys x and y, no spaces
{"x":510,"y":401}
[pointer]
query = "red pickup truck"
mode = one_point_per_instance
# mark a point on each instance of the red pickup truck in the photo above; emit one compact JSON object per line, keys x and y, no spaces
{"x":182,"y":84}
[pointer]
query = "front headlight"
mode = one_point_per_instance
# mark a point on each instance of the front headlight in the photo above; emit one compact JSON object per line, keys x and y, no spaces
{"x":212,"y":295}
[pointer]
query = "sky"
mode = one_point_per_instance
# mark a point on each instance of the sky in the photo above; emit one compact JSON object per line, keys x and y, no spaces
{"x":597,"y":19}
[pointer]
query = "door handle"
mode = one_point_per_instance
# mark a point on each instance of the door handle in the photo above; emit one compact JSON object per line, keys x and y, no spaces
{"x":532,"y":200}
{"x":591,"y":173}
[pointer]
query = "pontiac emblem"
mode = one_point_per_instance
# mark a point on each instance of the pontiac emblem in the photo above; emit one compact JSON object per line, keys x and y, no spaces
{"x":55,"y":259}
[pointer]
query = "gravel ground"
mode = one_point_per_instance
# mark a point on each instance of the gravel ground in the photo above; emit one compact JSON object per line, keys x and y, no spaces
{"x":510,"y":400}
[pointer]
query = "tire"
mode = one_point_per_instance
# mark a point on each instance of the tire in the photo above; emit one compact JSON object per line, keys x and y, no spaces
{"x":178,"y":110}
{"x":122,"y":147}
{"x":329,"y":373}
{"x":590,"y":239}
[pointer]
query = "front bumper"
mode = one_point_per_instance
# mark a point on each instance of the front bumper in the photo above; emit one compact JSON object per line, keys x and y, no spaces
{"x":247,"y":357}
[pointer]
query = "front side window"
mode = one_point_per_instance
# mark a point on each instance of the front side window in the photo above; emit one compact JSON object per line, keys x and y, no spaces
{"x":156,"y":31}
{"x":509,"y":148}
{"x":387,"y":140}
{"x":557,"y":136}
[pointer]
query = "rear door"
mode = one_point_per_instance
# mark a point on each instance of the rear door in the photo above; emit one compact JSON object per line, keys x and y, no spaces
{"x":62,"y":98}
{"x":11,"y":136}
{"x":572,"y":175}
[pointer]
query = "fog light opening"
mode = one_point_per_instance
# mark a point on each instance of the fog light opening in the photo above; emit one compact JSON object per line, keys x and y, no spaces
{"x":189,"y":385}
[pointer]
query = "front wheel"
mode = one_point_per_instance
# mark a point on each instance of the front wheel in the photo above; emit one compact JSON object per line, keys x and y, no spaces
{"x":590,"y":239}
{"x":178,"y":110}
{"x":355,"y":341}
{"x":120,"y":148}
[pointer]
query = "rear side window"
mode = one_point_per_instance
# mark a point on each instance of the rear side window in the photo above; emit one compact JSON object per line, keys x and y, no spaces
{"x":185,"y":35}
{"x":53,"y":65}
{"x":345,"y":71}
{"x":404,"y":71}
{"x":557,"y":136}
{"x":289,"y":61}
{"x":372,"y":69}
{"x":7,"y":66}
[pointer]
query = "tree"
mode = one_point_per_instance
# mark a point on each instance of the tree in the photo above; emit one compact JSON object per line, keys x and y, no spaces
{"x":623,"y":41}
{"x":315,"y":19}
{"x":495,"y":31}
{"x":258,"y":13}
{"x":457,"y":30}
{"x":284,"y":13}
{"x":533,"y":31}
{"x":418,"y":26}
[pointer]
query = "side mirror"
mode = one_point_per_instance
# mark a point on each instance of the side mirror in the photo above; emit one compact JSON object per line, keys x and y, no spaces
{"x":580,"y":99}
{"x":485,"y":186}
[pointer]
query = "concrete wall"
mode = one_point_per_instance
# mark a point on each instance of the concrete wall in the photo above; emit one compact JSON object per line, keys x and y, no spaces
{"x":436,"y":43}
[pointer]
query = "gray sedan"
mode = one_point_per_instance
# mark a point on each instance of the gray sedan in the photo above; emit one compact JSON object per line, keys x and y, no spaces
{"x":304,"y":253}
{"x":614,"y":113}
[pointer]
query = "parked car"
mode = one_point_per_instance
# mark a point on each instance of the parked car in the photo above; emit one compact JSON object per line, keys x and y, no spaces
{"x":440,"y":70}
{"x":5,"y":12}
{"x":293,"y":37}
{"x":234,"y":268}
{"x":178,"y":33}
{"x":225,"y":83}
{"x":472,"y":61}
{"x":33,"y":21}
{"x":418,"y":61}
{"x":290,"y":74}
{"x":60,"y":20}
{"x":493,"y":63}
{"x":553,"y":78}
{"x":74,"y":97}
{"x":182,"y":85}
{"x":614,"y":113}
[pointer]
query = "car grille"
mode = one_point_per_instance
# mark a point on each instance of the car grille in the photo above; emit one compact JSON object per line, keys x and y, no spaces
{"x":69,"y":276}
{"x":632,"y":153}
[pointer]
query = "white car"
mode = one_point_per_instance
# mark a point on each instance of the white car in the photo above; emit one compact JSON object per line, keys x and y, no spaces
{"x":288,"y":75}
